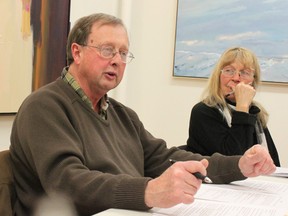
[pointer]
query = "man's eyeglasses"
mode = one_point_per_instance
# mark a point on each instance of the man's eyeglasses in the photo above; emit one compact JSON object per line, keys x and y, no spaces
{"x":229,"y":72}
{"x":109,"y":52}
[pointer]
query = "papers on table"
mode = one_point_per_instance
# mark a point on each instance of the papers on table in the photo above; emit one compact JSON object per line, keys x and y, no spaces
{"x":281,"y":172}
{"x":245,"y":198}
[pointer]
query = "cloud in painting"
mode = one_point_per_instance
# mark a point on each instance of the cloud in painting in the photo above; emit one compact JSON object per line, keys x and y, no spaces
{"x":244,"y":35}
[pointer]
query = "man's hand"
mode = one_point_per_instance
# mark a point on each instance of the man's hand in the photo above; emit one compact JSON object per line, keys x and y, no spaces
{"x":256,"y":161}
{"x":176,"y":185}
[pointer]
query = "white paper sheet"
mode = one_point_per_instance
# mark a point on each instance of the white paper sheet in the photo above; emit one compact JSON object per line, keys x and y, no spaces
{"x":281,"y":172}
{"x":243,"y":198}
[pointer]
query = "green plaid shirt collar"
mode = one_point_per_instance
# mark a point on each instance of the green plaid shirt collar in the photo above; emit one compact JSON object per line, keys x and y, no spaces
{"x":69,"y":79}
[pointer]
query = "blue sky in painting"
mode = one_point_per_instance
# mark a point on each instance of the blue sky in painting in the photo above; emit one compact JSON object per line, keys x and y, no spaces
{"x":205,"y":28}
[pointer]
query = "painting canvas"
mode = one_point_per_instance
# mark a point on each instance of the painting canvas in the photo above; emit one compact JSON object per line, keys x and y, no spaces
{"x":15,"y":55}
{"x":33,"y":38}
{"x":50,"y":24}
{"x":205,"y":29}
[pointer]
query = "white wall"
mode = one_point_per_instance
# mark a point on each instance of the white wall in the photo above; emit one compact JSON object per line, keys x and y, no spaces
{"x":162,"y":102}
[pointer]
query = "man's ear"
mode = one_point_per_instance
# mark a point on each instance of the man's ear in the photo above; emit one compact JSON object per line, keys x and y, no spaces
{"x":76,"y":52}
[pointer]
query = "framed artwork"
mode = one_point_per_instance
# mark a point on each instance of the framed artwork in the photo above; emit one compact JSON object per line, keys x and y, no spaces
{"x":50,"y":23}
{"x":206,"y":28}
{"x":33,"y":38}
{"x":16,"y":48}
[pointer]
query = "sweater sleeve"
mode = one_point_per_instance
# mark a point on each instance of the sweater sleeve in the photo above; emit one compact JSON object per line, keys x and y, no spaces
{"x":272,"y":148}
{"x":222,"y":169}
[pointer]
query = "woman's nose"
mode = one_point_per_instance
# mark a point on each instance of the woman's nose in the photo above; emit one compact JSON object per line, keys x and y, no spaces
{"x":236,"y":75}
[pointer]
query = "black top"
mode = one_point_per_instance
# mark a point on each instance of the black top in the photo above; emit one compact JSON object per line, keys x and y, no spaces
{"x":210,"y":133}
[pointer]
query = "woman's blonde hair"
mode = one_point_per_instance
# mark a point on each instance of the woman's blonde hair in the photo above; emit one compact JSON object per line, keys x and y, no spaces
{"x":213,"y":96}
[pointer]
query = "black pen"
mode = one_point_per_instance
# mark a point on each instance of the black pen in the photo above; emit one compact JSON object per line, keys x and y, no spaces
{"x":198,"y":175}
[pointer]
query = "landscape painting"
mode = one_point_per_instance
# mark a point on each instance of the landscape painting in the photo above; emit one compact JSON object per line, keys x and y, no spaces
{"x":205,"y":29}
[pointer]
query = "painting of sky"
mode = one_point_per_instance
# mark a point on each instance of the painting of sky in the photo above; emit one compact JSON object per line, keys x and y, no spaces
{"x":206,"y":28}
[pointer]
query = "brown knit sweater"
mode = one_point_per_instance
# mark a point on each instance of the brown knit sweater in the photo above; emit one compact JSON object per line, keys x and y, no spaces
{"x":60,"y":144}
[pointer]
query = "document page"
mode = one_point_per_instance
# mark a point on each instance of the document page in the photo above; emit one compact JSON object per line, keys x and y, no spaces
{"x":211,"y":208}
{"x":281,"y":172}
{"x":247,"y":198}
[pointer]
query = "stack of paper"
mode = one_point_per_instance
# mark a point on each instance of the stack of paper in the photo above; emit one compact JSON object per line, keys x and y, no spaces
{"x":241,"y":198}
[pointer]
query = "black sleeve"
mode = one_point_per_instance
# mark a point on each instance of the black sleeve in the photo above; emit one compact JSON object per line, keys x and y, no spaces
{"x":272,"y":148}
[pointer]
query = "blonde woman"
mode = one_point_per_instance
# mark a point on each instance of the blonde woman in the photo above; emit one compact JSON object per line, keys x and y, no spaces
{"x":228,"y":120}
